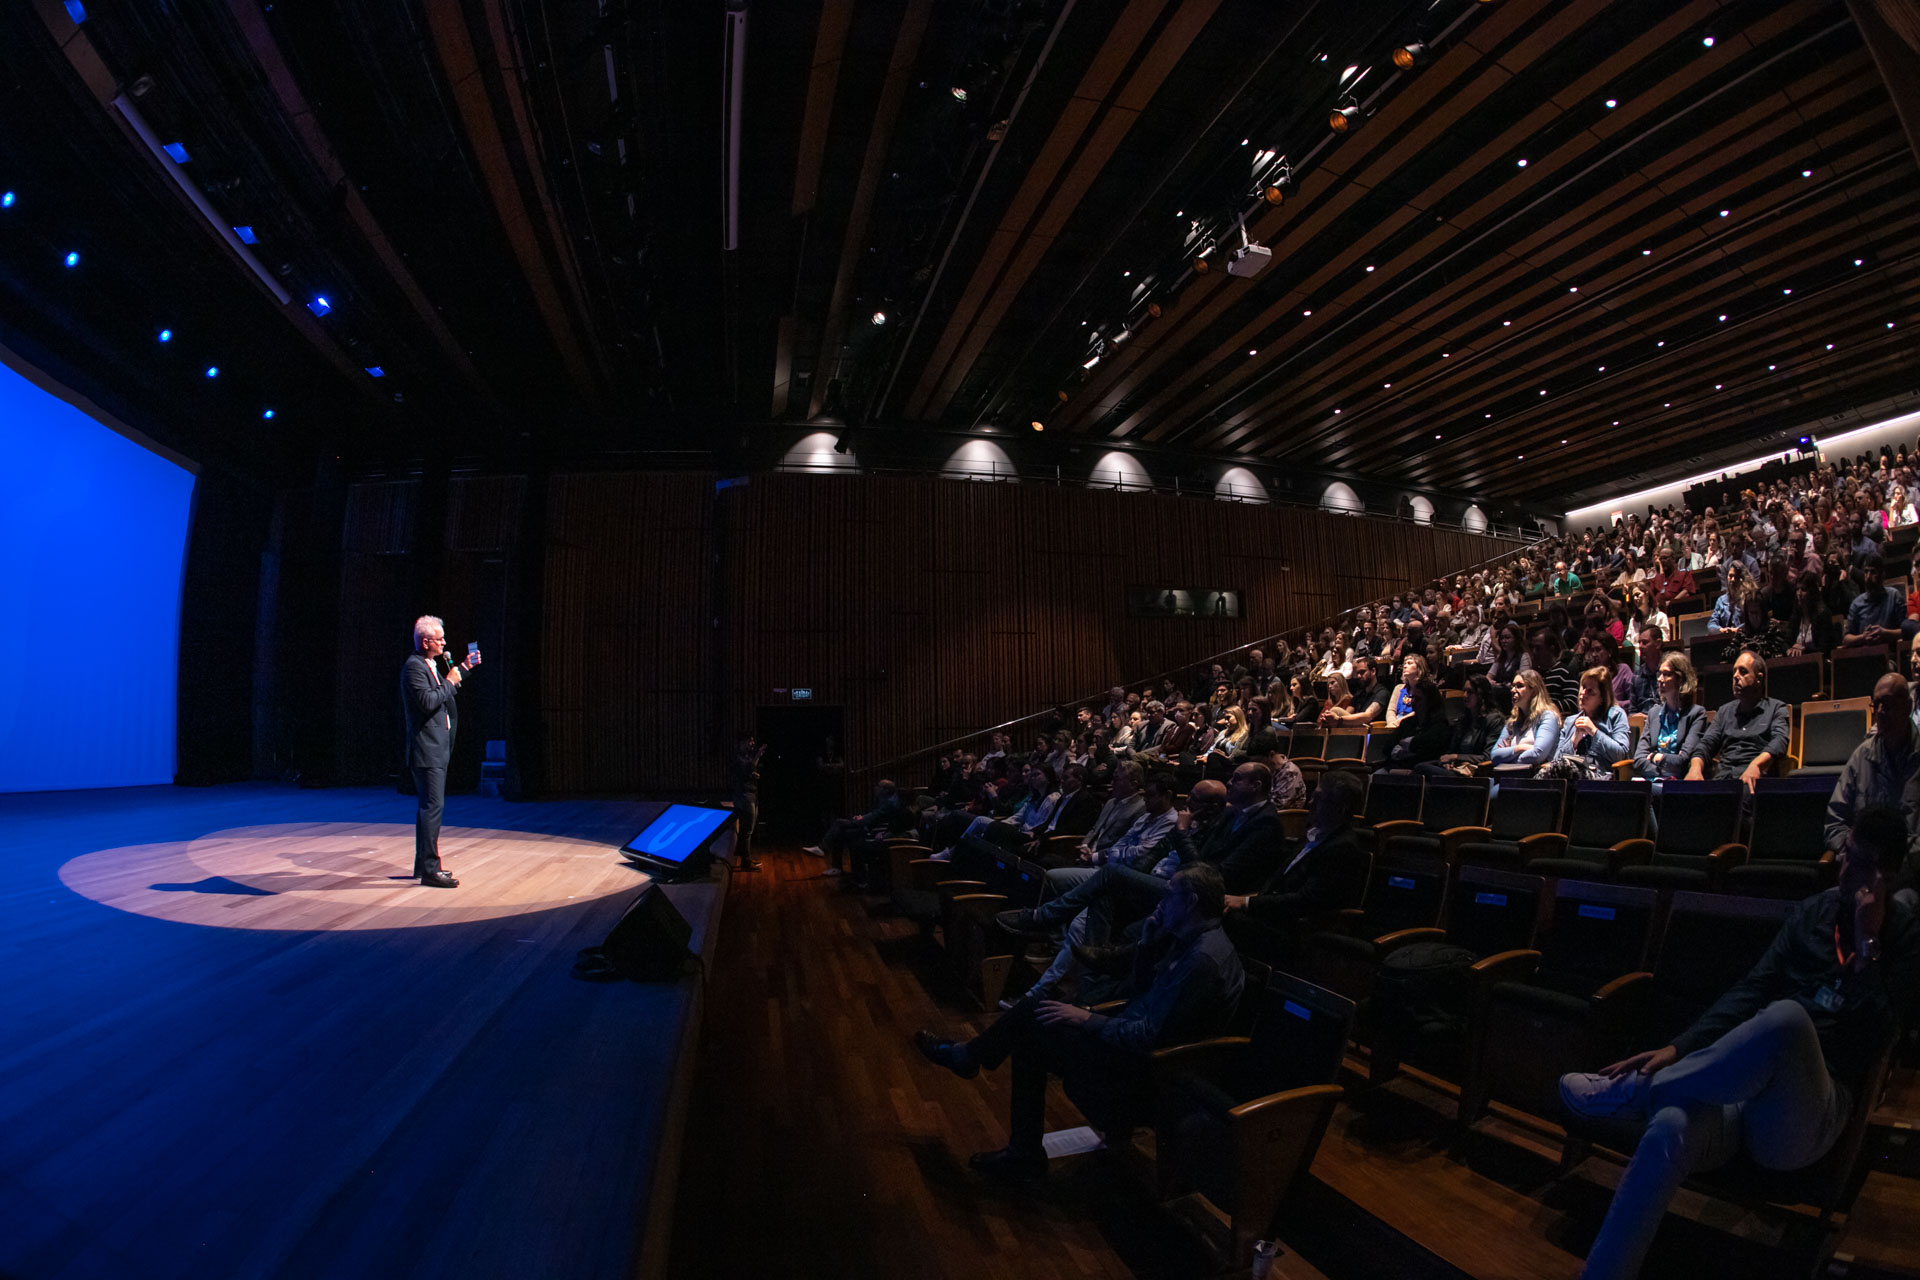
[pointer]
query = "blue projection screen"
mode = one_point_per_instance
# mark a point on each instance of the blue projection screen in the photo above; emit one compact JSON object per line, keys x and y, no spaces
{"x":93,"y":531}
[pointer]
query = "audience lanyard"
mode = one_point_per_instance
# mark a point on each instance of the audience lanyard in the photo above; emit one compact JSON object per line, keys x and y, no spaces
{"x":1844,"y":960}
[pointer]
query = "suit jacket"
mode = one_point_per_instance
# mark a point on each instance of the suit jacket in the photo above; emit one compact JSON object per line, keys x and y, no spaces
{"x":1247,"y":855}
{"x":1074,"y":815}
{"x":433,"y":717}
{"x":1332,"y":875}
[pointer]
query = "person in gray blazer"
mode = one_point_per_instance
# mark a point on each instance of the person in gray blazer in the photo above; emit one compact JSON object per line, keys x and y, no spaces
{"x":433,"y":718}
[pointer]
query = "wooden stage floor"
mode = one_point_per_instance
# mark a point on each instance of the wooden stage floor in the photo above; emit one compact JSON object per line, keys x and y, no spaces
{"x":239,"y":1042}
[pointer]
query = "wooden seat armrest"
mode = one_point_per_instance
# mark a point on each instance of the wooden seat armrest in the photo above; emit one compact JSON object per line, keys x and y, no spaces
{"x":1784,"y":766}
{"x":1275,"y":1107}
{"x":979,"y":903}
{"x":1623,"y":770}
{"x":1453,"y":837}
{"x":1626,"y":982}
{"x":1210,"y":1059}
{"x":1385,"y":831}
{"x":1505,"y":966}
{"x":960,"y":886}
{"x":1541,"y":844}
{"x":1826,"y":857}
{"x":1347,"y":920}
{"x":1387,"y":942}
{"x":1731,"y":854}
{"x":924,"y":873}
{"x":1634,"y":852}
{"x":1109,"y":1007}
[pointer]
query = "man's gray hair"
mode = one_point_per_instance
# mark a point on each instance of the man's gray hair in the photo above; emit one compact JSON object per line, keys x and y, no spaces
{"x":425,"y":623}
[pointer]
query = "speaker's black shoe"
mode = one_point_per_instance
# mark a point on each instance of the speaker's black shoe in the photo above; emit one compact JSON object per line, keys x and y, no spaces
{"x":439,"y":880}
{"x":1104,"y":959}
{"x":945,"y":1053}
{"x":1015,"y":1166}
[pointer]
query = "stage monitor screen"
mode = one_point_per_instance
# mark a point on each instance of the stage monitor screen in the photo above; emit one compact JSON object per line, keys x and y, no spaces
{"x":93,"y":527}
{"x":678,"y":833}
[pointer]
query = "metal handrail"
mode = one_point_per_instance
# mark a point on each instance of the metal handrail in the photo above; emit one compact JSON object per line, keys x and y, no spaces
{"x":1333,"y":620}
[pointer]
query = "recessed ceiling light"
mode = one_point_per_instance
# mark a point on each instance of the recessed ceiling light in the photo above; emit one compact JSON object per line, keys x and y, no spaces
{"x":1661,"y":343}
{"x":1506,"y":324}
{"x":1646,"y":253}
{"x":1253,"y":351}
{"x":1543,"y":391}
{"x":1387,"y":385}
{"x":1829,"y":346}
{"x":1489,"y":415}
{"x":1725,"y":212}
{"x":1179,"y":213}
{"x":1723,"y":319}
{"x":1772,"y":367}
{"x":1563,"y":442}
{"x":1611,"y":104}
{"x":1859,"y":261}
{"x":1786,"y":291}
{"x":1716,"y":386}
{"x":1521,"y":163}
{"x":1667,"y":405}
{"x":1806,"y":173}
{"x":1603,"y":368}
{"x":1436,"y":437}
{"x":1616,"y":422}
{"x":1523,"y":457}
{"x":1889,"y":324}
{"x":1125,"y":274}
{"x":1573,"y":288}
{"x":1708,"y":42}
{"x":1369,"y":270}
{"x":1336,"y":411}
{"x":1446,"y":355}
{"x":1306,"y":313}
{"x":1243,"y":142}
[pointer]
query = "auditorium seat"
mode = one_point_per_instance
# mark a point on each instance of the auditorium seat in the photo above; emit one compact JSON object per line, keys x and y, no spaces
{"x":1238,"y":1119}
{"x":1606,"y":831}
{"x":1523,"y":822}
{"x":1451,"y":810}
{"x":1858,"y":667}
{"x":1402,"y":894}
{"x":1828,"y":733}
{"x":1598,"y":935}
{"x":1422,"y":992}
{"x":1787,"y":854}
{"x":1697,"y":839}
{"x":1796,"y":680}
{"x":1391,"y":798}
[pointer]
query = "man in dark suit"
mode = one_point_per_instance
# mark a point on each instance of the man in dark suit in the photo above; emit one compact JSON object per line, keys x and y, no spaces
{"x":1324,"y":872}
{"x":427,"y":699}
{"x":1073,"y":814}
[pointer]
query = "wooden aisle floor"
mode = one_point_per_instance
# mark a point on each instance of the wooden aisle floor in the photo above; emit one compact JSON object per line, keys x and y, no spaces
{"x":820,"y":1144}
{"x":236,"y":1041}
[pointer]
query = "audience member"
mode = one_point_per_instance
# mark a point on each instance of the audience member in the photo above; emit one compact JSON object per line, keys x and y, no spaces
{"x":1674,"y":724}
{"x":1748,"y":733}
{"x":1533,"y":726}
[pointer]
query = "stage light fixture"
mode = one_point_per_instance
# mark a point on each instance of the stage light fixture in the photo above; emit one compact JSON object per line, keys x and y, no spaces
{"x":1344,"y":119}
{"x":879,"y":317}
{"x":375,"y":371}
{"x":213,"y":371}
{"x":320,"y":306}
{"x":959,"y":94}
{"x":1200,"y":266}
{"x":1409,"y":56}
{"x":246,"y":235}
{"x":72,"y":259}
{"x":266,"y":415}
{"x":165,"y":335}
{"x":1273,"y":194}
{"x":1153,"y":310}
{"x":1038,"y":425}
{"x":6,"y":199}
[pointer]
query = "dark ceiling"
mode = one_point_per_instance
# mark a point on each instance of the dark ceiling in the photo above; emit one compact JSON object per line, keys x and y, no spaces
{"x":515,"y":208}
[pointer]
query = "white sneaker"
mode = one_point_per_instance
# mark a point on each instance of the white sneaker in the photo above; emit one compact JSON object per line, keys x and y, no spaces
{"x":945,"y":855}
{"x":1599,"y":1097}
{"x":833,"y":871}
{"x":814,"y":851}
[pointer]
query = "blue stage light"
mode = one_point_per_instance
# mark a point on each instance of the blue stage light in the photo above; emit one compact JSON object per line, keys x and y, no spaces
{"x":375,"y":371}
{"x":320,"y":306}
{"x":178,"y":150}
{"x":76,"y":11}
{"x":72,"y":259}
{"x":246,"y":235}
{"x":213,"y":371}
{"x":166,"y":335}
{"x":6,"y":199}
{"x":267,"y":416}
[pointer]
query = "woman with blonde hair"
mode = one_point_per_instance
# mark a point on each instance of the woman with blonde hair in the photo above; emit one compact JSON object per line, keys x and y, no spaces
{"x":1230,"y":742}
{"x":1533,"y":726}
{"x":1413,"y":669}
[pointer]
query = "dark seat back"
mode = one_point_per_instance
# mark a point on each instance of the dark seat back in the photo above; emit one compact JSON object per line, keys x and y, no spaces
{"x":1795,"y":680}
{"x":1599,"y":932}
{"x":1828,"y":737}
{"x":1394,"y":797}
{"x":1697,"y":817}
{"x":1716,"y":684}
{"x":1789,"y":819}
{"x":1526,"y":806}
{"x":1308,"y":743}
{"x":1455,"y":802}
{"x":1299,"y":1037}
{"x":1493,"y":911}
{"x":1857,"y":668}
{"x":1345,"y":744}
{"x":1711,"y":941}
{"x":1605,"y":813}
{"x":1403,"y":893}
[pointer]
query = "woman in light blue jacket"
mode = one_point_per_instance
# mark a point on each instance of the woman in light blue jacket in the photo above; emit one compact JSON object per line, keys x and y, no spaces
{"x":1533,"y":727}
{"x":1597,"y":734}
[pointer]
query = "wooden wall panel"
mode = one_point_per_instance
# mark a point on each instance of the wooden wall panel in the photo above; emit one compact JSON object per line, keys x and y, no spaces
{"x":627,"y":646}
